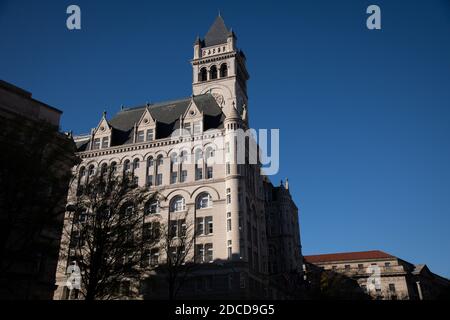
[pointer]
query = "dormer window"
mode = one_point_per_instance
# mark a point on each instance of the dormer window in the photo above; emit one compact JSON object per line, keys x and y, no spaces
{"x":150,"y":135}
{"x":105,"y":142}
{"x":140,"y":136}
{"x":197,"y":127}
{"x":96,"y":144}
{"x":187,"y":127}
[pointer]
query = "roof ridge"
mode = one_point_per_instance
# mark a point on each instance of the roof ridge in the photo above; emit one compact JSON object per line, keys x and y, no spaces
{"x":162,"y":103}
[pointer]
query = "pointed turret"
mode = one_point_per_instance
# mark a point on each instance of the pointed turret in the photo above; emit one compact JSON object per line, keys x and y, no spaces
{"x":217,"y":34}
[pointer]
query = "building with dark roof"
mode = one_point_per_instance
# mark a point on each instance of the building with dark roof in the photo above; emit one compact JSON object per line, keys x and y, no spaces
{"x":168,"y":148}
{"x":381,"y":275}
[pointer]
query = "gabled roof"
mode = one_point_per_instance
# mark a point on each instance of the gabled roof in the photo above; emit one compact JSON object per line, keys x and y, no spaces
{"x":167,"y":116}
{"x":348,"y":256}
{"x":217,"y":34}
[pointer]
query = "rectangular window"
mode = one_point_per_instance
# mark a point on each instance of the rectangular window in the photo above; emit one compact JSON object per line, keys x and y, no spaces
{"x":187,"y":127}
{"x":96,"y":144}
{"x":209,"y":225}
{"x":150,"y":135}
{"x":228,"y":195}
{"x":360,"y":266}
{"x":391,"y":287}
{"x":173,"y":229}
{"x":208,"y":252}
{"x":105,"y":142}
{"x":159,"y":179}
{"x":199,"y":253}
{"x":198,"y":174}
{"x":183,"y":176}
{"x":228,"y":224}
{"x":149,"y":181}
{"x":182,"y":228}
{"x":197,"y":127}
{"x":209,"y":173}
{"x":173,"y":177}
{"x":200,"y":226}
{"x":347,"y":267}
{"x":140,"y":136}
{"x":230,"y":250}
{"x":228,"y":168}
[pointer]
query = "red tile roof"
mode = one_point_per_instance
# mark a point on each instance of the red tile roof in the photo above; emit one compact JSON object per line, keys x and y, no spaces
{"x":345,"y":256}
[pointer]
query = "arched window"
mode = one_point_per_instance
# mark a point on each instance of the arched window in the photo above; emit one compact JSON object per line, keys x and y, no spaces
{"x":177,"y":204}
{"x":150,"y":172}
{"x":224,"y":70}
{"x":183,"y":171}
{"x":135,"y":164}
{"x":203,"y":75}
{"x":213,"y":73}
{"x":104,"y":170}
{"x":152,"y":207}
{"x":198,"y":164}
{"x":204,"y":201}
{"x":209,"y":162}
{"x":90,"y":173}
{"x":126,"y":166}
{"x":159,"y":176}
{"x":113,"y":167}
{"x":173,"y":168}
{"x":81,"y":175}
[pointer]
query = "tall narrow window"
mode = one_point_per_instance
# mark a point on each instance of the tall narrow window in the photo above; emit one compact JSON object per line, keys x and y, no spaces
{"x":228,"y":221}
{"x":213,"y":73}
{"x":183,"y":171}
{"x":209,"y":162}
{"x":159,"y":176}
{"x":149,"y":172}
{"x":173,"y":168}
{"x":228,"y":195}
{"x":224,"y":70}
{"x":198,"y":164}
{"x":203,"y":75}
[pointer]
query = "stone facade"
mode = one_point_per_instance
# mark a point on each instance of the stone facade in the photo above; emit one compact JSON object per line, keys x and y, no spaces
{"x":234,"y":203}
{"x":398,"y":279}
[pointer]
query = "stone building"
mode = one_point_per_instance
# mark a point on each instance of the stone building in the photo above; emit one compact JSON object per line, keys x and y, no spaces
{"x":381,"y":275}
{"x":169,"y":148}
{"x":35,"y":168}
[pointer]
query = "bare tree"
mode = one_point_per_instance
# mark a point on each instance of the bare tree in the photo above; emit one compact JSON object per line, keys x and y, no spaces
{"x":105,"y":235}
{"x":177,"y":245}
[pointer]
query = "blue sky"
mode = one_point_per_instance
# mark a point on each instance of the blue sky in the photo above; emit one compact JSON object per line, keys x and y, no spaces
{"x":363,"y":115}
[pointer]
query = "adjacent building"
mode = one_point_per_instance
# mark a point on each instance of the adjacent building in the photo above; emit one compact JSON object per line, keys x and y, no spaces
{"x":247,"y":229}
{"x":382,"y":275}
{"x":35,"y":167}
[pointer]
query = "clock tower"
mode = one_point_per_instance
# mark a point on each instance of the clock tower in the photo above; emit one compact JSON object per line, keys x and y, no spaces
{"x":219,"y":68}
